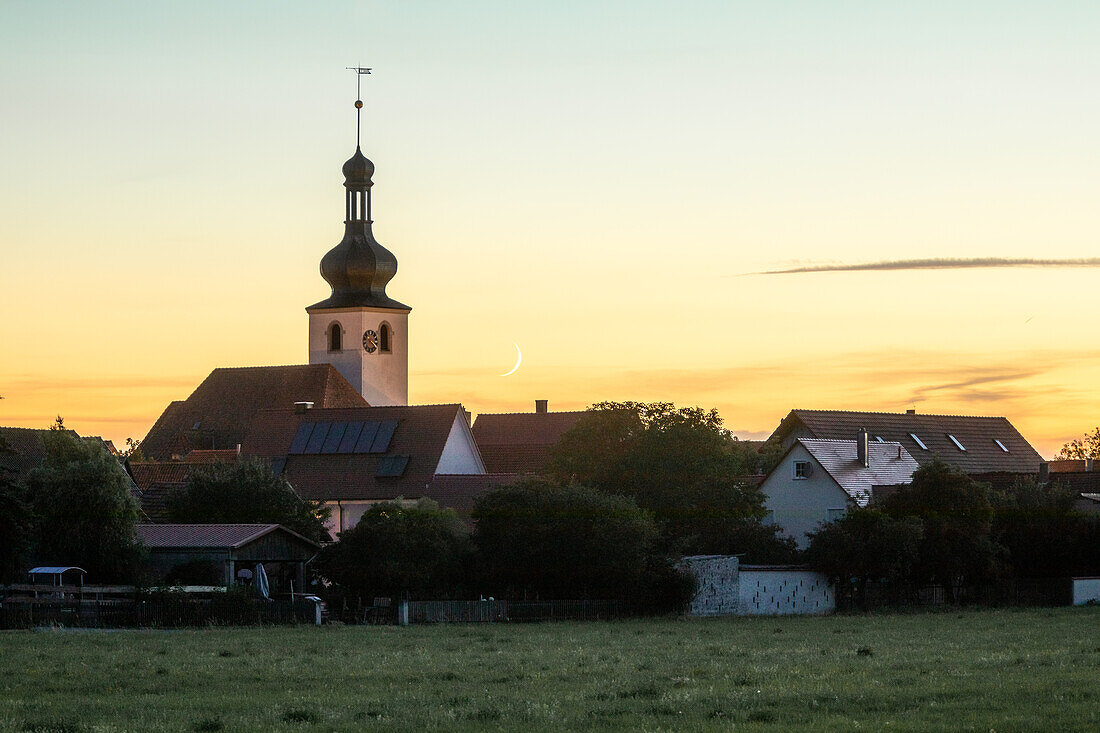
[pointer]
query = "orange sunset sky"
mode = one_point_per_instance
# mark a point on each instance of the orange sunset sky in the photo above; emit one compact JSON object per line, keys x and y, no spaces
{"x":595,"y":182}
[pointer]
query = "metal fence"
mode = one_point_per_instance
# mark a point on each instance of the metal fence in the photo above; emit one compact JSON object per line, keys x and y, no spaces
{"x":1011,"y":592}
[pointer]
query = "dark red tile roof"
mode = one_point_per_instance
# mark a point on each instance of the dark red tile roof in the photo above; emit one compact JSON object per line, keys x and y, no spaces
{"x":218,"y":412}
{"x":147,"y":474}
{"x":459,"y":492}
{"x":421,"y":434}
{"x":214,"y":536}
{"x":21,"y":449}
{"x":976,"y":434}
{"x":227,"y":455}
{"x":520,"y":442}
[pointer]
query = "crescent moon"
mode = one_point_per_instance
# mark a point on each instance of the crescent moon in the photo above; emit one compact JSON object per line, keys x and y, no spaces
{"x":519,"y":360}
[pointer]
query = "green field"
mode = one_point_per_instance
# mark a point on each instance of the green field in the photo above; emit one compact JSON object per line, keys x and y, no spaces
{"x":973,"y":670}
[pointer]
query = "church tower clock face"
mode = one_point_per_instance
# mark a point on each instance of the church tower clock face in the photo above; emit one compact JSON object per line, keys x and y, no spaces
{"x":370,"y":342}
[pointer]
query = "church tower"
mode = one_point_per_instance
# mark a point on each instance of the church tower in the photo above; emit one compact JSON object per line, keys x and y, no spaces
{"x":359,"y":329}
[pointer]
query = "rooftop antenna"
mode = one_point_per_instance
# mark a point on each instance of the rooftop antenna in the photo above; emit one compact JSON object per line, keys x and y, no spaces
{"x":359,"y":72}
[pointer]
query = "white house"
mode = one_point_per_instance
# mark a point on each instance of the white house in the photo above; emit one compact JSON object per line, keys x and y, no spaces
{"x":819,"y":480}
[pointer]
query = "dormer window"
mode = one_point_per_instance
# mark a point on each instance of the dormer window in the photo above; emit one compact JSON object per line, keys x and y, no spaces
{"x":1000,"y":445}
{"x":335,"y":337}
{"x":955,"y":440}
{"x":918,"y":441}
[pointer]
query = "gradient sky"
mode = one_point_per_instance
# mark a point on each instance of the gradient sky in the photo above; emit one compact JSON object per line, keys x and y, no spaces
{"x":593,"y":181}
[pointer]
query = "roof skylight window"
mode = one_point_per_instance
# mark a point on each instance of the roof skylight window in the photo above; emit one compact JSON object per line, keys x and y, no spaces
{"x":879,"y":439}
{"x":1000,"y":445}
{"x":919,"y":441}
{"x":955,"y":440}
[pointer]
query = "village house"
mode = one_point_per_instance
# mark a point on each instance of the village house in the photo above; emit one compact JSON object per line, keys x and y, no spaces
{"x":520,"y":442}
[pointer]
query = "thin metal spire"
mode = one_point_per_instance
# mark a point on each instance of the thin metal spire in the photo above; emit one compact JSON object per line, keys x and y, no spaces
{"x":359,"y":72}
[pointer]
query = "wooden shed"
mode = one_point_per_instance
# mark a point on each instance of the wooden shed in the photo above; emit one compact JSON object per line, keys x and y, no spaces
{"x":220,"y":550}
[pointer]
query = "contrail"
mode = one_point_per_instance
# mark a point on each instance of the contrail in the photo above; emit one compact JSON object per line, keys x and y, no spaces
{"x":938,"y":263}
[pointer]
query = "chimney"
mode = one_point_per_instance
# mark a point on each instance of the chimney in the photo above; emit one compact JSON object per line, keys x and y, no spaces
{"x":1089,"y":465}
{"x":300,"y":407}
{"x":1044,"y":473}
{"x":542,"y":406}
{"x":861,"y":448}
{"x":911,"y":411}
{"x":238,"y":449}
{"x":899,"y":452}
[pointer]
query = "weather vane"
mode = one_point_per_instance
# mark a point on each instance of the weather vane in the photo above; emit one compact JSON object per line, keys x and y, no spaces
{"x":359,"y":72}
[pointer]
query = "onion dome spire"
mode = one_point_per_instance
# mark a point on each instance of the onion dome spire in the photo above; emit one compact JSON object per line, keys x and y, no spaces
{"x":358,"y":268}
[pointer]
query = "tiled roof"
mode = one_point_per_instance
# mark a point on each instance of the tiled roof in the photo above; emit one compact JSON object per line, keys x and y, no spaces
{"x":520,"y":442}
{"x":21,"y":449}
{"x":218,"y":412}
{"x":226,"y":455}
{"x":976,"y":434}
{"x":148,"y":473}
{"x":459,"y":492}
{"x":154,"y":501}
{"x":214,"y":536}
{"x":421,"y":434}
{"x":885,"y":466}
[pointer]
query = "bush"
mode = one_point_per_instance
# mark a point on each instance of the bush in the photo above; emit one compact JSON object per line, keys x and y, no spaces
{"x":421,"y":552}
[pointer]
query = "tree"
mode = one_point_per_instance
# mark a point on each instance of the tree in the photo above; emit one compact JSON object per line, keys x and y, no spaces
{"x":16,"y":527}
{"x":540,"y":538}
{"x":84,"y":513}
{"x":1044,"y":536}
{"x":1087,"y":446}
{"x":958,"y":546}
{"x":420,"y":552}
{"x":678,"y":463}
{"x":246,"y":492}
{"x":866,"y":545}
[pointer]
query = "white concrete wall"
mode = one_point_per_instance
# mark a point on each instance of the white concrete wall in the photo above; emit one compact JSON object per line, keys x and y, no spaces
{"x":1086,"y":590}
{"x":785,"y":591}
{"x":717,"y":578}
{"x":800,"y":505}
{"x":725,"y":588}
{"x":460,"y":454}
{"x":382,"y":378}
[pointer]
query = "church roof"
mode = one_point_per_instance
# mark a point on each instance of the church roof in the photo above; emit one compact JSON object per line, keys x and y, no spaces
{"x":403,"y":463}
{"x":219,"y":411}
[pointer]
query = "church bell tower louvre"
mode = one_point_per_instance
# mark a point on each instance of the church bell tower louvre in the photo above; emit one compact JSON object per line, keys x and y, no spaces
{"x":359,"y":329}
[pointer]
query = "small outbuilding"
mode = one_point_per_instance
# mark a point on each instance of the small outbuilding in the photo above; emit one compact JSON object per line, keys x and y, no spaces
{"x":211,"y":554}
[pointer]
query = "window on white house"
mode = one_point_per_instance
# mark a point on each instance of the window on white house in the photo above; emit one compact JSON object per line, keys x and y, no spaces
{"x":1000,"y":445}
{"x":832,"y":515}
{"x":955,"y":440}
{"x":918,"y":441}
{"x":802,"y":469}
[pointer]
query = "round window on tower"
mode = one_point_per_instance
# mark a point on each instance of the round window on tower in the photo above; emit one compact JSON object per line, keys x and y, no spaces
{"x":384,"y":338}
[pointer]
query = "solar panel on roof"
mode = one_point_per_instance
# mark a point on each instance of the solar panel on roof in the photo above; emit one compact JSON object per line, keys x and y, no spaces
{"x":370,"y":429}
{"x":301,"y":438}
{"x":320,"y":432}
{"x":392,"y":466}
{"x":351,"y":434}
{"x":335,"y":434}
{"x":385,"y":433}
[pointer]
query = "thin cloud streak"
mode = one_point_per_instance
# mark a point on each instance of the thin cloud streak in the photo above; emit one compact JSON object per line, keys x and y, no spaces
{"x":937,"y":263}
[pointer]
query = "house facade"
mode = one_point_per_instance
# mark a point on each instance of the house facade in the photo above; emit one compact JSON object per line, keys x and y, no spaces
{"x":818,"y":481}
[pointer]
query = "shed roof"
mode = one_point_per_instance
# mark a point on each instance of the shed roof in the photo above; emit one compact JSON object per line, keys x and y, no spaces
{"x":979,"y":436}
{"x":212,"y":536}
{"x":885,"y":466}
{"x":219,"y":411}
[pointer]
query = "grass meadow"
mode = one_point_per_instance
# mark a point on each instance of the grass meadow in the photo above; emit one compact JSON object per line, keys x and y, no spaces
{"x":1011,"y":669}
